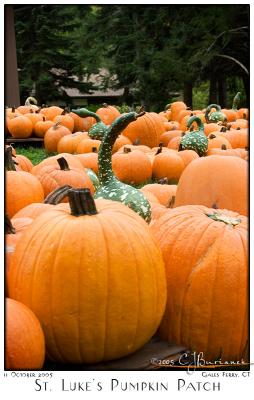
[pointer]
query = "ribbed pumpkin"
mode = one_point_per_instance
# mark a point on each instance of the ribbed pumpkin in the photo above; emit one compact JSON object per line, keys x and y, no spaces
{"x":53,"y":135}
{"x":34,"y":117}
{"x":120,"y":142}
{"x":168,"y":165}
{"x":205,"y":254}
{"x":237,"y":137}
{"x":210,"y":128}
{"x":72,"y":160}
{"x":82,"y":124}
{"x":216,"y":141}
{"x":147,"y":129}
{"x":69,"y":143}
{"x":30,"y":104}
{"x":52,"y":177}
{"x":215,"y":181}
{"x":95,"y":301}
{"x":22,"y":188}
{"x":133,"y":167}
{"x":20,"y":127}
{"x":223,"y":151}
{"x":24,"y":338}
{"x":176,"y":107}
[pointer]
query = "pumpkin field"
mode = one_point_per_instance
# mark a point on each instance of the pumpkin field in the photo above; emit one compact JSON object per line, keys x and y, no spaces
{"x":133,"y":228}
{"x":126,"y":146}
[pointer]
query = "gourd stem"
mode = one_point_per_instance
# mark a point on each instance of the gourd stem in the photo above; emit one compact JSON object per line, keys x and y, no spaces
{"x":29,"y":100}
{"x":236,"y":101}
{"x":94,"y":149}
{"x":10,"y":166}
{"x":63,"y":164}
{"x":8,"y":227}
{"x":57,"y":195}
{"x":196,"y":119}
{"x":83,"y":113}
{"x":105,"y":151}
{"x":81,"y":202}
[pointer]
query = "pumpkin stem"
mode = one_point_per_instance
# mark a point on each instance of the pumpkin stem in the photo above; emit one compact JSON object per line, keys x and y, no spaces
{"x":8,"y":227}
{"x":63,"y":164}
{"x":159,"y":150}
{"x":163,"y":181}
{"x":212,"y":136}
{"x":171,"y":202}
{"x":105,"y":105}
{"x":223,"y":147}
{"x":126,"y":150}
{"x":81,"y":202}
{"x":10,"y":166}
{"x":57,"y":195}
{"x":94,"y":149}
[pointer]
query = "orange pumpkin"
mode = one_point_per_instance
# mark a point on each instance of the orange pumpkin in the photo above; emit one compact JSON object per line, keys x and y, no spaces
{"x":41,"y":127}
{"x":22,"y":187}
{"x":86,"y":145}
{"x":132,"y":167}
{"x":80,"y":267}
{"x":24,"y":338}
{"x":70,"y":158}
{"x":51,"y":112}
{"x":238,"y":138}
{"x":120,"y":142}
{"x":90,"y":160}
{"x":205,"y":254}
{"x":23,"y":162}
{"x":147,"y":129}
{"x":82,"y":124}
{"x":69,"y":143}
{"x":216,"y":141}
{"x":187,"y":156}
{"x":108,"y":113}
{"x":162,"y":191}
{"x":168,"y":165}
{"x":52,"y":177}
{"x":167,"y":136}
{"x":215,"y":182}
{"x":53,"y":135}
{"x":65,"y":119}
{"x":20,"y":127}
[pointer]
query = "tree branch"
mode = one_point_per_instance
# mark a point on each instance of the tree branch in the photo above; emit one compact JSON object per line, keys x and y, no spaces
{"x":234,"y":60}
{"x":222,"y":33}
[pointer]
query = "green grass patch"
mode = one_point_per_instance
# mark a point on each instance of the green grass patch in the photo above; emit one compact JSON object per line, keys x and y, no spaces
{"x":35,"y":154}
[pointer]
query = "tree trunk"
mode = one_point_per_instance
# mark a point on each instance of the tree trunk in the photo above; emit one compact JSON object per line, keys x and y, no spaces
{"x":222,"y":86}
{"x":246,"y":83}
{"x":187,"y":93}
{"x":213,"y":89}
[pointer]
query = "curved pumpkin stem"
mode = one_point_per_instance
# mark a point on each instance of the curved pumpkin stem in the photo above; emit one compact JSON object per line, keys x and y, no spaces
{"x":57,"y":195}
{"x":29,"y":100}
{"x":236,"y":101}
{"x":81,"y":202}
{"x":196,"y":119}
{"x":208,"y":109}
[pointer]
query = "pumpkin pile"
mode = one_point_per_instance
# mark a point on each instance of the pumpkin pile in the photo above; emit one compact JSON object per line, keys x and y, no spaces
{"x":171,"y":189}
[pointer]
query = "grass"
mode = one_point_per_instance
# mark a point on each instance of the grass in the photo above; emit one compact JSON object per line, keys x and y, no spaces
{"x":35,"y":154}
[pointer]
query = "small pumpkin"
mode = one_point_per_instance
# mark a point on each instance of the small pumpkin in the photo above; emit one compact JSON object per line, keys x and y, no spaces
{"x":41,"y":127}
{"x":20,"y":127}
{"x":107,"y":113}
{"x":53,"y":135}
{"x":24,"y":338}
{"x":69,"y":143}
{"x":168,"y":165}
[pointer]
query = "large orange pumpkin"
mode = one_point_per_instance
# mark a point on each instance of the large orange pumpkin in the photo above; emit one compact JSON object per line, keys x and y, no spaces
{"x":215,"y":181}
{"x":95,"y":301}
{"x":205,"y":253}
{"x":147,"y":129}
{"x":24,"y":338}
